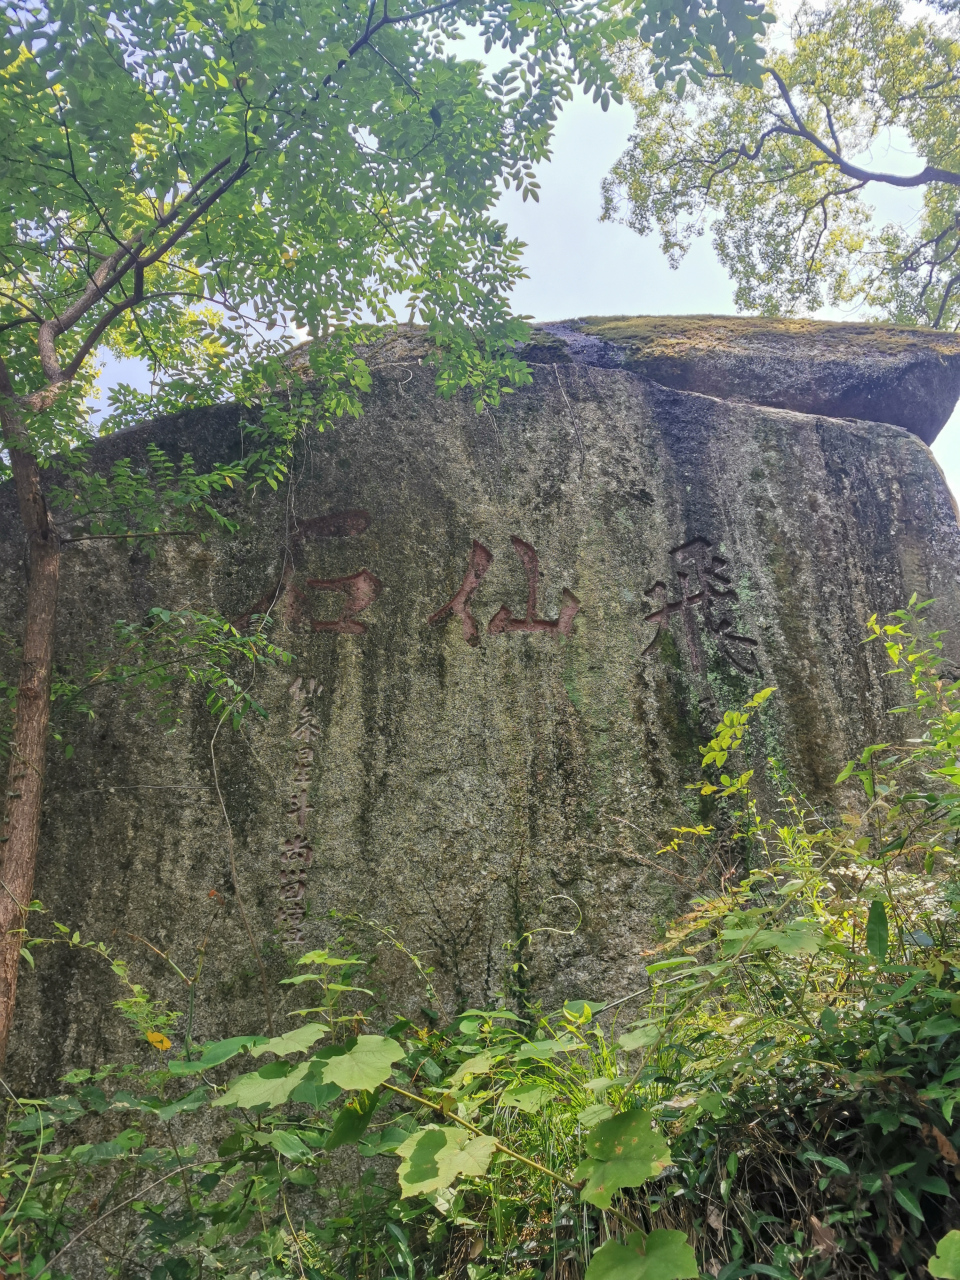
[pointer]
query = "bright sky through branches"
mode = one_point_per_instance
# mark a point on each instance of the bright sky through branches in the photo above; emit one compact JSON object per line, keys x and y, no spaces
{"x":578,"y":266}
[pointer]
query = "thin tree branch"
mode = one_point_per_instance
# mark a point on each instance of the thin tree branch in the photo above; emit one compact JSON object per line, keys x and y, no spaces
{"x":944,"y":300}
{"x":930,"y":173}
{"x":103,"y":323}
{"x":100,"y":282}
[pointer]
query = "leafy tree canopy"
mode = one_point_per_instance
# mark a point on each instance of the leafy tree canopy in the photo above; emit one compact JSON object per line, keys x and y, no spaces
{"x":180,"y":176}
{"x":781,"y":172}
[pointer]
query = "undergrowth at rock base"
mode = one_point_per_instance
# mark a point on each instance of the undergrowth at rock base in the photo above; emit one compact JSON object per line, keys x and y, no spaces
{"x":784,"y":1104}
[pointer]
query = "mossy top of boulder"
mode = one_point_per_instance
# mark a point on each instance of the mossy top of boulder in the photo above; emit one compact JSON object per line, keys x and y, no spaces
{"x":662,"y":335}
{"x":875,"y":372}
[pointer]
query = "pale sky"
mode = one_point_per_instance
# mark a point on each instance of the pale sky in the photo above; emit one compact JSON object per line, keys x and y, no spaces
{"x":578,"y":266}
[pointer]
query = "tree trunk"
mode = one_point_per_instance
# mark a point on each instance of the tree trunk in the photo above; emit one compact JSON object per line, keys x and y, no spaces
{"x":20,"y":833}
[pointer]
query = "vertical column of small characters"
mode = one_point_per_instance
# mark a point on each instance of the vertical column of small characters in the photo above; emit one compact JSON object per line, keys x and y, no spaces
{"x":296,"y":853}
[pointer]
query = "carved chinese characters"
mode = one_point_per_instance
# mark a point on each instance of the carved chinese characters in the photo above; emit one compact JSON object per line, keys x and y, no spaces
{"x":696,"y":604}
{"x":569,"y":605}
{"x":503,"y":621}
{"x":358,"y":592}
{"x":701,"y":598}
{"x":296,"y":854}
{"x":704,"y":593}
{"x":478,"y":564}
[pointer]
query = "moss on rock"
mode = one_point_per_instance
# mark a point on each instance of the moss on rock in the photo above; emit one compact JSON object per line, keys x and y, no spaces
{"x":467,"y":793}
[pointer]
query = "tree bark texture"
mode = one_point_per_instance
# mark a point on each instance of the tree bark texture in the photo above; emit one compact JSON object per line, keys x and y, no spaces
{"x":20,"y":833}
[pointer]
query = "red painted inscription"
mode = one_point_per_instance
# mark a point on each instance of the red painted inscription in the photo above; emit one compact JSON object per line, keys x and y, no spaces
{"x":503,"y":621}
{"x":480,"y":561}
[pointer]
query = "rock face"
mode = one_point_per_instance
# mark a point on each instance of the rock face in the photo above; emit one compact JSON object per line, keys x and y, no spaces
{"x":511,"y":632}
{"x":878,"y":372}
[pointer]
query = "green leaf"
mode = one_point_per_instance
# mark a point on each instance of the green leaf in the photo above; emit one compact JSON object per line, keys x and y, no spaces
{"x":296,"y":1041}
{"x":936,"y":1186}
{"x":909,"y":1201}
{"x":878,"y":930}
{"x":642,"y":1038}
{"x":941,"y":1025}
{"x":661,"y":1255}
{"x":624,"y":1151}
{"x":433,"y":1158}
{"x":312,"y":1090}
{"x":715,"y":1104}
{"x":945,"y":1263}
{"x":214,"y":1054}
{"x":264,"y":1087}
{"x":797,"y":937}
{"x":476,"y":1066}
{"x":546,"y":1048}
{"x":383,"y":1142}
{"x":530,"y":1098}
{"x":287,"y":1143}
{"x":95,"y":1152}
{"x":192,"y":1101}
{"x":583,"y":1009}
{"x":367,"y":1064}
{"x":351,"y":1121}
{"x":831,"y":1162}
{"x":829,"y":1022}
{"x":593,"y":1114}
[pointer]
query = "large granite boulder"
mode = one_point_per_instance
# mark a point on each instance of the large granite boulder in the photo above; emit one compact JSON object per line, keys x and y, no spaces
{"x":878,"y":372}
{"x":512,"y":631}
